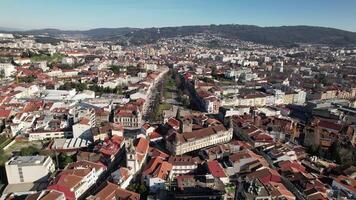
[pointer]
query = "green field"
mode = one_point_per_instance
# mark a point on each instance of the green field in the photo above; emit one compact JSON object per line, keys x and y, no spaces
{"x":50,"y":59}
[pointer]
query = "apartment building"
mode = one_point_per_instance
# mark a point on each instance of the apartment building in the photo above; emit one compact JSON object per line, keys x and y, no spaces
{"x":181,"y":143}
{"x":77,"y":178}
{"x":28,"y":169}
{"x":182,"y":164}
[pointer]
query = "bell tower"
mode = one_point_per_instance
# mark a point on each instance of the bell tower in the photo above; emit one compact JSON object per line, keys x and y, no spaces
{"x":131,"y":161}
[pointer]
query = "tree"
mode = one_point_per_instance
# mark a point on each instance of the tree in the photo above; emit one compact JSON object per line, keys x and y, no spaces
{"x":64,"y":160}
{"x":29,"y":151}
{"x":27,"y":79}
{"x":139,"y":188}
{"x":142,"y":189}
{"x":115,"y":69}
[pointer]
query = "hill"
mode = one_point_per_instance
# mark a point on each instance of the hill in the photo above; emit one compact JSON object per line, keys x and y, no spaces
{"x":283,"y":35}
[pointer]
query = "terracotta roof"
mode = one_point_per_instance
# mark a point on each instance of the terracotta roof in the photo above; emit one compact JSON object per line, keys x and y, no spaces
{"x":203,"y":132}
{"x":52,"y":194}
{"x":215,"y":169}
{"x":69,"y":180}
{"x":292,"y":166}
{"x":278,"y":190}
{"x":113,"y":191}
{"x":154,"y":152}
{"x":265,"y":175}
{"x":142,"y":146}
{"x":163,"y":170}
{"x":154,"y":135}
{"x":152,"y":165}
{"x":173,"y":122}
{"x":5,"y":113}
{"x":330,"y":125}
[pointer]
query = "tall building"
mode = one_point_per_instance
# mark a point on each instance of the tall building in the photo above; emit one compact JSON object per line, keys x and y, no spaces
{"x":28,"y":169}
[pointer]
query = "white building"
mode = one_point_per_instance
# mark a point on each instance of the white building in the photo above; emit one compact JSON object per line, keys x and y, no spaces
{"x":77,"y":178}
{"x":182,"y":165}
{"x":181,"y":143}
{"x":68,"y":60}
{"x":83,"y":129}
{"x":46,"y":135}
{"x":22,"y":61}
{"x":7,"y":69}
{"x":28,"y":169}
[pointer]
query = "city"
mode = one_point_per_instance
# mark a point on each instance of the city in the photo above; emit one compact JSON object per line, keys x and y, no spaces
{"x":191,"y":112}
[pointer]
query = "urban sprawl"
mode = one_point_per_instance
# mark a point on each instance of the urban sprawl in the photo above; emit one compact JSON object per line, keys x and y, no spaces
{"x":188,"y":117}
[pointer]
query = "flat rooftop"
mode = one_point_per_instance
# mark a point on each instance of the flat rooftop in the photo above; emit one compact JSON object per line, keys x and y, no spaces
{"x":27,"y":160}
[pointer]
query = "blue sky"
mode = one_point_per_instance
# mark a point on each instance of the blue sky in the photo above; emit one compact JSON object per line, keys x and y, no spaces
{"x":86,"y":14}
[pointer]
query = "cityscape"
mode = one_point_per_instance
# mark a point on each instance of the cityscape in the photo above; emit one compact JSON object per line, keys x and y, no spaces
{"x":182,"y":111}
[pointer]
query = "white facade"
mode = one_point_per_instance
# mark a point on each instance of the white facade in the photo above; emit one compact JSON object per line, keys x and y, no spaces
{"x":7,"y":69}
{"x":28,"y":169}
{"x":45,"y":135}
{"x":82,"y":131}
{"x":156,"y":184}
{"x":198,"y":143}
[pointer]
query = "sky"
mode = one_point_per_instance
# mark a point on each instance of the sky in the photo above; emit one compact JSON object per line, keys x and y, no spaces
{"x":87,"y":14}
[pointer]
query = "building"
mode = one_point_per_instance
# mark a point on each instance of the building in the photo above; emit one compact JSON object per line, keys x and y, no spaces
{"x":197,"y":187}
{"x":28,"y":169}
{"x":181,"y":143}
{"x":128,"y":116}
{"x":182,"y":165}
{"x":346,"y":185}
{"x":253,"y":189}
{"x":136,"y":154}
{"x":156,"y":174}
{"x":47,"y":195}
{"x":82,"y":129}
{"x":217,"y":171}
{"x":48,"y":134}
{"x":77,"y":178}
{"x":112,"y":191}
{"x":7,"y":69}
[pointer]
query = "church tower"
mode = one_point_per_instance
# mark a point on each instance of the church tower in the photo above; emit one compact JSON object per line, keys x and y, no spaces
{"x":131,"y":161}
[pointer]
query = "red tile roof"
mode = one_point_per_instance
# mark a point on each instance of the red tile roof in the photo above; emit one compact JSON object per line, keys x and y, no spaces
{"x":215,"y":169}
{"x":113,"y":191}
{"x":5,"y":113}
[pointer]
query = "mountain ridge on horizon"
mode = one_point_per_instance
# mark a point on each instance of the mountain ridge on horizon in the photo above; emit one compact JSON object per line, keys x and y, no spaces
{"x":273,"y":35}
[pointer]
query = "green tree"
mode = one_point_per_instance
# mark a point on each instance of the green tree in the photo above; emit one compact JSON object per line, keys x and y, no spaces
{"x":27,"y":79}
{"x":115,"y":68}
{"x":29,"y":151}
{"x":64,"y":160}
{"x":142,"y":189}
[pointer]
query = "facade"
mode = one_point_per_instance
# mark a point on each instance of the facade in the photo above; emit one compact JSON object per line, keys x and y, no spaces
{"x":77,"y":178}
{"x":181,"y":143}
{"x":7,"y":69}
{"x":28,"y":169}
{"x":136,"y":154}
{"x":156,"y":174}
{"x":82,"y":130}
{"x":44,"y":135}
{"x":182,"y":165}
{"x":128,"y":118}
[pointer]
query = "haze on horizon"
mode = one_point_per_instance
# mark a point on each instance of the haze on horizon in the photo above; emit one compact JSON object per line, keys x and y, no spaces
{"x":88,"y":14}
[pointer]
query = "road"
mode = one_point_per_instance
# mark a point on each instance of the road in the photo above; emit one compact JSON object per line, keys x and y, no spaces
{"x":151,"y":93}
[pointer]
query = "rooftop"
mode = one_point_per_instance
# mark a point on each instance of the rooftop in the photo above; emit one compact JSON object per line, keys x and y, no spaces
{"x":27,"y":160}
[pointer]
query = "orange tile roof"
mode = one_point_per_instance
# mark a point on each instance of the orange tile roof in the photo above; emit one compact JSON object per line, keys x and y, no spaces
{"x":113,"y":191}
